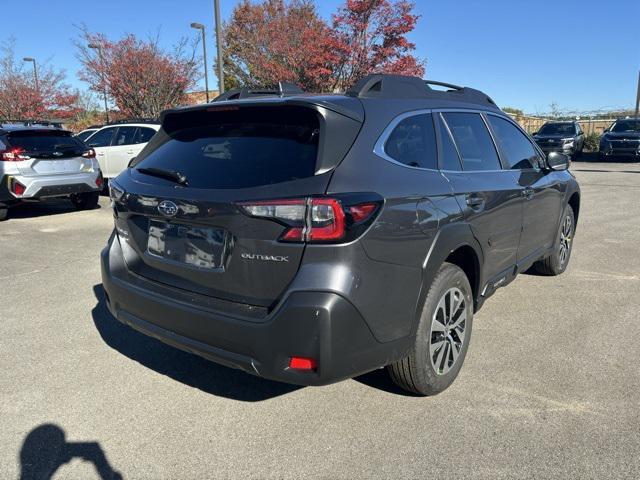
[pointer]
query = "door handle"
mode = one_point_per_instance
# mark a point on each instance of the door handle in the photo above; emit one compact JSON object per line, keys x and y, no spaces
{"x":528,"y":193}
{"x":475,"y":200}
{"x":129,"y":152}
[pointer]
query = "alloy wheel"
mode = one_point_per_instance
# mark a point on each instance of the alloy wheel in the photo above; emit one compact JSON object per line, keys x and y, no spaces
{"x":566,"y":236}
{"x":448,"y":331}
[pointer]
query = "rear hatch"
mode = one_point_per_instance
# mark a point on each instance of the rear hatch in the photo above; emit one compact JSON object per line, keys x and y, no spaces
{"x":49,"y":152}
{"x":179,"y":213}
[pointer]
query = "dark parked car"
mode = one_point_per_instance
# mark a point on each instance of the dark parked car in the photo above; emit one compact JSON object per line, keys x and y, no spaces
{"x":312,"y":238}
{"x":563,"y":137}
{"x":621,"y":139}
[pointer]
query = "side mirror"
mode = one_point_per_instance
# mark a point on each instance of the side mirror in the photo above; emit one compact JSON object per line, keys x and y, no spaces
{"x":558,"y":161}
{"x":534,"y":133}
{"x":131,"y":162}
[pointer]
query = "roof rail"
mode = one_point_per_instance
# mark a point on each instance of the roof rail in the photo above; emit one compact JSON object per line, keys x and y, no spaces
{"x":401,"y":86}
{"x":31,"y":122}
{"x":283,"y":89}
{"x":133,"y":120}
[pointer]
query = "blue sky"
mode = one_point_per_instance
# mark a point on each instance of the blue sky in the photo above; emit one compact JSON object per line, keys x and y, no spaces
{"x":581,"y":54}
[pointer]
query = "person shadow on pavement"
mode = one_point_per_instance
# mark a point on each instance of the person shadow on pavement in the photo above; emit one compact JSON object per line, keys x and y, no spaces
{"x":45,"y":449}
{"x":184,"y":367}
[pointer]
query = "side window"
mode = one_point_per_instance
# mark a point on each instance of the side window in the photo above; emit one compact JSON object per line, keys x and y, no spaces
{"x":578,"y":129}
{"x":125,"y":136}
{"x":473,"y":140}
{"x":413,"y":142}
{"x":518,"y":151}
{"x":144,"y":134}
{"x":449,"y":158}
{"x":102,"y":138}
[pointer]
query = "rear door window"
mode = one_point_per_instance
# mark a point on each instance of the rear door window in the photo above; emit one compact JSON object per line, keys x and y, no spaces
{"x":144,"y":134}
{"x":473,"y":140}
{"x":449,"y":158}
{"x":413,"y":142}
{"x":517,"y":150}
{"x":125,"y":136}
{"x":241,"y":148}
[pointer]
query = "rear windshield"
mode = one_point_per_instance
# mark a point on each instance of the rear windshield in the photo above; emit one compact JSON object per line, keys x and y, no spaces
{"x":558,"y":129}
{"x":45,"y":141}
{"x":237,"y":148}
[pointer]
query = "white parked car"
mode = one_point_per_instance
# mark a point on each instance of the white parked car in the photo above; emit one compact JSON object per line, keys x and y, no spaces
{"x":117,"y":143}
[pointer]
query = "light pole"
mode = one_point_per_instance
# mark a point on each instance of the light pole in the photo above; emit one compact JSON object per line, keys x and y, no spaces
{"x":638,"y":101}
{"x":199,"y":26}
{"x":35,"y":71}
{"x":216,"y":6}
{"x":104,"y":82}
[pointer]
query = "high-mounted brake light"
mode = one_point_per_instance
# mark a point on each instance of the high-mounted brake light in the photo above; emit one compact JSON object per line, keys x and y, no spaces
{"x":312,"y":219}
{"x":13,"y":155}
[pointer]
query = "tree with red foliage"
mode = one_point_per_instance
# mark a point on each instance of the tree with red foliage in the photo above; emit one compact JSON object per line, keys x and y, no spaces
{"x":273,"y":41}
{"x":279,"y":40}
{"x":373,"y":38}
{"x":140,"y":77}
{"x":21,"y":100}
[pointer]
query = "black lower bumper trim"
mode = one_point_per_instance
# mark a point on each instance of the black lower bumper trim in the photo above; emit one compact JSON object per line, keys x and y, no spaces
{"x":314,"y":324}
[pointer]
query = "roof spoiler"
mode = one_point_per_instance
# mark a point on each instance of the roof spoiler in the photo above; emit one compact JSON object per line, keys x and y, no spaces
{"x":283,"y":89}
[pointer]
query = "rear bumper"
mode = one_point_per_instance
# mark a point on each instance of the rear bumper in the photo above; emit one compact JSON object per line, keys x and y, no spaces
{"x":43,"y":186}
{"x":313,"y":324}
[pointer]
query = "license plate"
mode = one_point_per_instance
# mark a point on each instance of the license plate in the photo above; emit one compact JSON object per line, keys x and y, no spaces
{"x":201,"y":247}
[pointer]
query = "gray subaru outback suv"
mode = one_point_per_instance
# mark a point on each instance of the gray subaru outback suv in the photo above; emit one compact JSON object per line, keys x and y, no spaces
{"x":313,"y":238}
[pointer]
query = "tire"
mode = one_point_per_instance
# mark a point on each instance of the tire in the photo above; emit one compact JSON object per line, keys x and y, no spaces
{"x":557,"y":262}
{"x":427,"y":369}
{"x":85,"y":201}
{"x":4,"y":213}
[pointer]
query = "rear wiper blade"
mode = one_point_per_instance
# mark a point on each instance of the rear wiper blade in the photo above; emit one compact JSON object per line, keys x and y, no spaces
{"x":166,"y":174}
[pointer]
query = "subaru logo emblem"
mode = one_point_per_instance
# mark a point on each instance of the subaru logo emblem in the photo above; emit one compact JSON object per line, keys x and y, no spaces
{"x":168,"y":208}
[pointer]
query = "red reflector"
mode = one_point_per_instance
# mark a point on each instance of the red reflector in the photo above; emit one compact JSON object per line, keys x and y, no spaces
{"x":17,"y":187}
{"x":362,"y":212}
{"x":99,"y":181}
{"x":302,"y":363}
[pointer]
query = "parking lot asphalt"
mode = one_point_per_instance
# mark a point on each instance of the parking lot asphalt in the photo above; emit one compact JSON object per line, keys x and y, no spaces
{"x":550,"y":387}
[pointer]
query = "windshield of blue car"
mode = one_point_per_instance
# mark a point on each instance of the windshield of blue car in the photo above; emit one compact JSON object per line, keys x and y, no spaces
{"x":626,"y":126}
{"x":558,"y":129}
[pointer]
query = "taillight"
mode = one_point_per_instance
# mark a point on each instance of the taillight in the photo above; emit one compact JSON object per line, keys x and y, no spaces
{"x":99,"y":181}
{"x":91,"y":153}
{"x":17,"y":187}
{"x":13,"y":155}
{"x":315,"y":219}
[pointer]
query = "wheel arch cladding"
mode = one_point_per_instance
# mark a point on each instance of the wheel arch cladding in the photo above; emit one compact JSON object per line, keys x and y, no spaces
{"x":574,"y":203}
{"x":466,"y":259}
{"x":455,"y":244}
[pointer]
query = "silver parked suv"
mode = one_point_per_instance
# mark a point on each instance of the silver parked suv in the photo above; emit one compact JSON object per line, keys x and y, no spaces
{"x":39,"y":162}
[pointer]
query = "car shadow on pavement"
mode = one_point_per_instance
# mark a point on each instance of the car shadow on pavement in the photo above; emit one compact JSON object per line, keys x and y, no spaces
{"x":42,"y":209}
{"x":183,"y":367}
{"x":45,"y":449}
